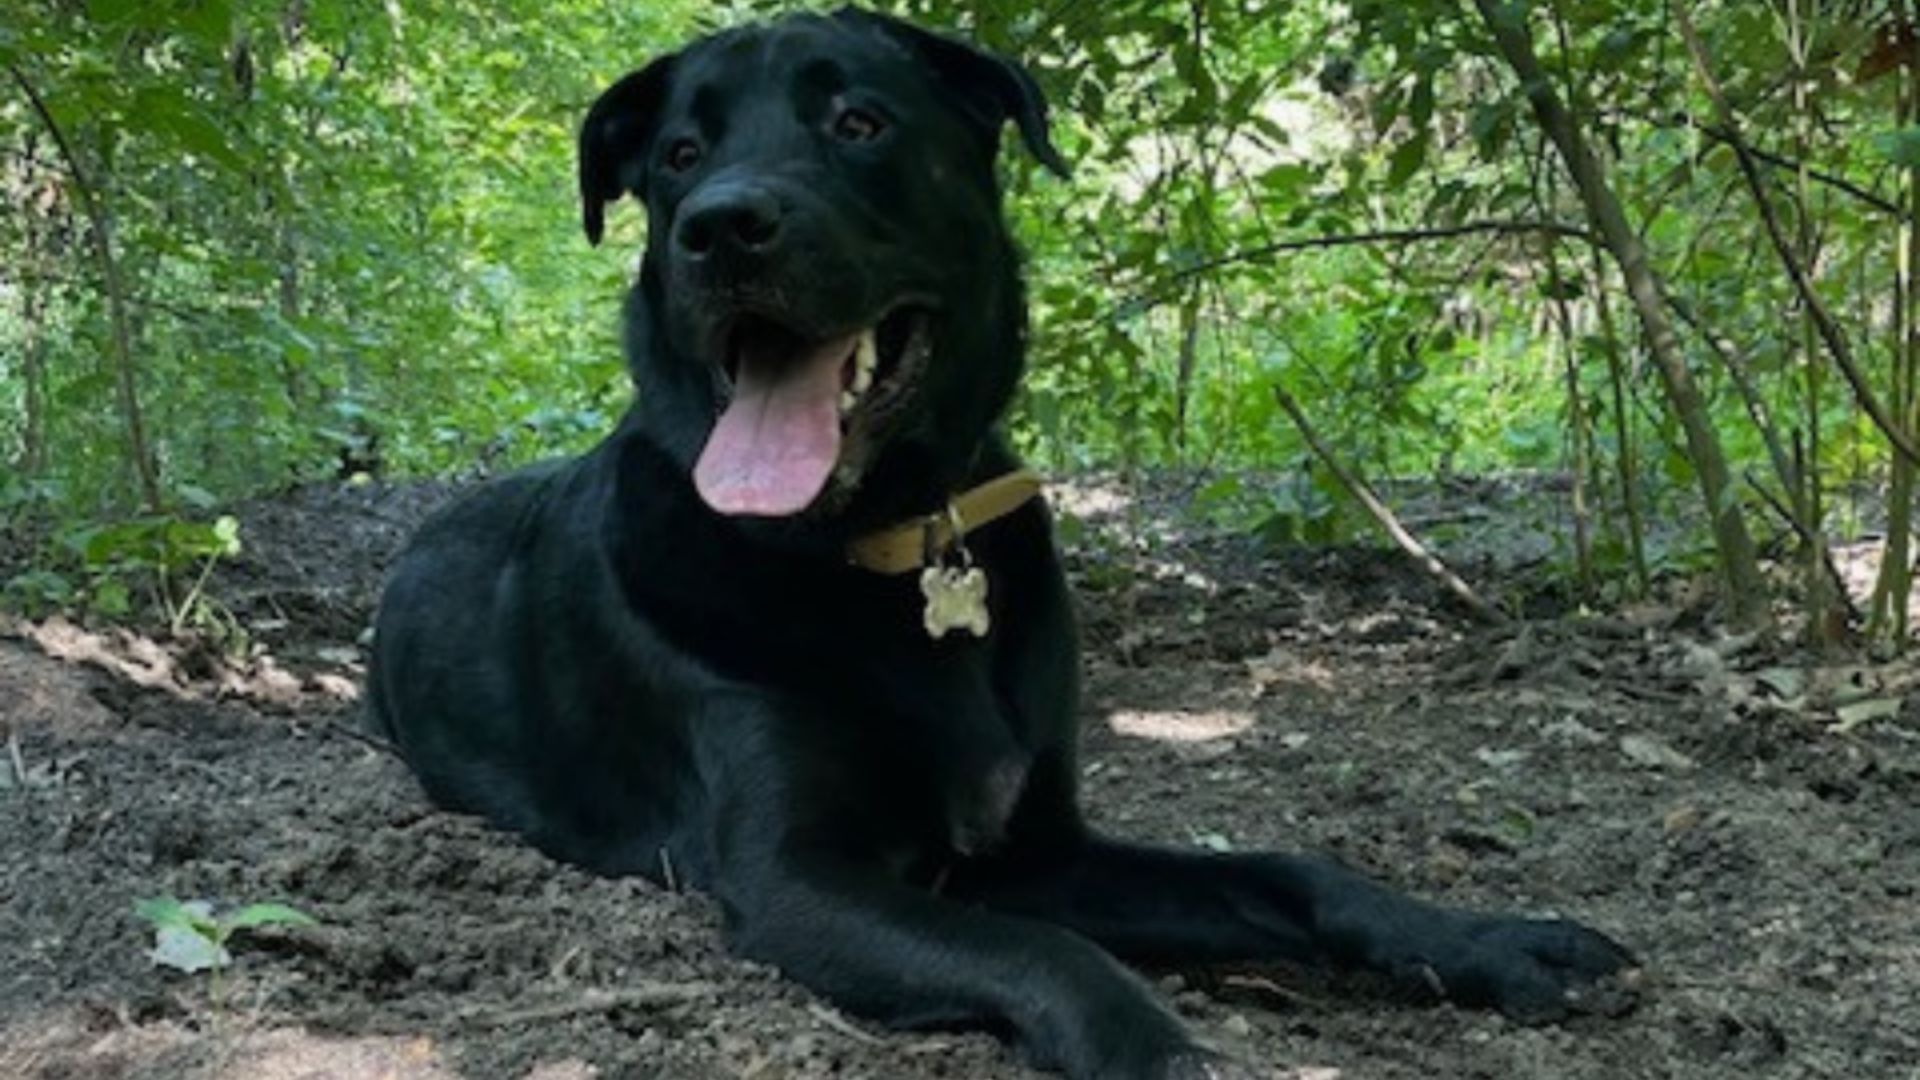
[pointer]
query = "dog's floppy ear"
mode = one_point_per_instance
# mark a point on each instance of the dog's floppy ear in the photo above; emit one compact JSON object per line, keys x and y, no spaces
{"x":614,"y":139}
{"x":993,"y":88}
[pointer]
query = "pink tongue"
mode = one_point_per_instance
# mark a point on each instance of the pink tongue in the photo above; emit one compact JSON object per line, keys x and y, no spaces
{"x":776,"y":444}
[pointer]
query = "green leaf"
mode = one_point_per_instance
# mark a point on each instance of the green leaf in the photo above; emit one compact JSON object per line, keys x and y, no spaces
{"x":1491,"y":126}
{"x":1420,"y":105}
{"x":178,"y":119}
{"x":211,"y":21}
{"x":184,"y":948}
{"x":1244,"y":95}
{"x":1568,"y":289}
{"x":39,"y":589}
{"x":1407,"y":159}
{"x":115,"y":12}
{"x":256,"y":915}
{"x":226,"y":534}
{"x":1386,"y":109}
{"x":112,"y":599}
{"x":161,"y":910}
{"x":1899,"y":147}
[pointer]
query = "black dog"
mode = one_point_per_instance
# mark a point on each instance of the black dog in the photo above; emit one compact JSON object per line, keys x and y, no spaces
{"x":699,"y":651}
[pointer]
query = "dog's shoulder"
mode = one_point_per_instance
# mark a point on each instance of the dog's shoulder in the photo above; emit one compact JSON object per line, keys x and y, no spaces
{"x":501,"y":506}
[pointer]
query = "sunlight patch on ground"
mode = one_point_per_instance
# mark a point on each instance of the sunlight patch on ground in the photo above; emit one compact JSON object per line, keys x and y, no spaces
{"x":180,"y":667}
{"x":1180,"y":725}
{"x":1089,"y":497}
{"x":1281,"y":669}
{"x":1174,"y":570}
{"x":1858,"y":564}
{"x":297,"y":1055}
{"x":74,"y":1042}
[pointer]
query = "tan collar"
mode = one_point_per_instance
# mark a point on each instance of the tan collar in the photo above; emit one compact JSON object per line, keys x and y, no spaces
{"x":905,"y":547}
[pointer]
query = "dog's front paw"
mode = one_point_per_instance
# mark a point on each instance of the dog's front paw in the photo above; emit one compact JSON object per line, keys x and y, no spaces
{"x":1535,"y":971}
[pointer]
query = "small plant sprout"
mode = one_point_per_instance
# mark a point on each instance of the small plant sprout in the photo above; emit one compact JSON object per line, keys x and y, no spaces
{"x":190,"y":938}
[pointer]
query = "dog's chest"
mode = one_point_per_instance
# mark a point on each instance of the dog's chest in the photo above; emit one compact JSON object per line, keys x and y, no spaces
{"x":980,"y":809}
{"x":953,"y":747}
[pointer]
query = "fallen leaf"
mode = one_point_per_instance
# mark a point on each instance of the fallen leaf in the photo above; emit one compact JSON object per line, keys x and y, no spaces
{"x":1573,"y":732}
{"x":1783,"y":682}
{"x":1860,"y":712}
{"x":1650,"y":753}
{"x":183,"y":948}
{"x":1518,"y":657}
{"x":1500,"y":759}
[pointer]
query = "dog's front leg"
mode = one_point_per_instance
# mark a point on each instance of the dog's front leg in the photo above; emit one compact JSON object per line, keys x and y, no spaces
{"x":885,"y":950}
{"x":1162,"y":905}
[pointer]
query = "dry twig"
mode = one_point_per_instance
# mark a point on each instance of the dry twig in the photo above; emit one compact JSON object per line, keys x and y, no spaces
{"x":1388,"y":522}
{"x":588,"y":1002}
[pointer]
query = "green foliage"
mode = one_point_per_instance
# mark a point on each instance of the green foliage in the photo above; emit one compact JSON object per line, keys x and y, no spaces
{"x":98,"y":567}
{"x":1900,"y":147}
{"x":348,"y":231}
{"x":350,"y":243}
{"x":1305,"y":507}
{"x":190,"y":937}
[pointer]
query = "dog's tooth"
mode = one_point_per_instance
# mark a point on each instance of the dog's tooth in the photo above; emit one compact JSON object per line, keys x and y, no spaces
{"x":866,"y":361}
{"x":848,"y":399}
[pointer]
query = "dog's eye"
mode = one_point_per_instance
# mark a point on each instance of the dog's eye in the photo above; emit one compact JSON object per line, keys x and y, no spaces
{"x":858,"y":125}
{"x":684,"y":154}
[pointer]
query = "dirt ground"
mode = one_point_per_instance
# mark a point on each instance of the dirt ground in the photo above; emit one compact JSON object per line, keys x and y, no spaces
{"x":1746,"y":817}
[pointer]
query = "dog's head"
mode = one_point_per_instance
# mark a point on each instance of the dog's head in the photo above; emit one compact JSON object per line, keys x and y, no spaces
{"x":828,"y":303}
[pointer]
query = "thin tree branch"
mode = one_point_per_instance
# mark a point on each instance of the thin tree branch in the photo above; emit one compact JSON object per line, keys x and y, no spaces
{"x":1823,"y":322}
{"x":1771,"y":157}
{"x":1167,"y":290}
{"x":1811,"y":542}
{"x":1386,"y":519}
{"x":1749,"y":391}
{"x":183,"y":312}
{"x":646,"y":995}
{"x":109,"y":267}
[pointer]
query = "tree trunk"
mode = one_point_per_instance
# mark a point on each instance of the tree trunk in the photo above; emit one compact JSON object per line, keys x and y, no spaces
{"x":1745,"y":588}
{"x":1893,"y":591}
{"x":1624,"y":453}
{"x":286,"y":257}
{"x":1577,"y":432}
{"x":1189,"y":357}
{"x":126,"y":384}
{"x":33,"y":311}
{"x":1826,"y":615}
{"x":33,"y":372}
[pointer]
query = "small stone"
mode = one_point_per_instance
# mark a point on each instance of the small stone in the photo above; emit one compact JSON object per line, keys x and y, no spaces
{"x":1681,"y":818}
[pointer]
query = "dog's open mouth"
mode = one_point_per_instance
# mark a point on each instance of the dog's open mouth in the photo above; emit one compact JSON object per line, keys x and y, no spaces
{"x":793,"y":401}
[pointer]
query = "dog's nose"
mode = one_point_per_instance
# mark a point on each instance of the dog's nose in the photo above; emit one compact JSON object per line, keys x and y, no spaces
{"x":728,"y":219}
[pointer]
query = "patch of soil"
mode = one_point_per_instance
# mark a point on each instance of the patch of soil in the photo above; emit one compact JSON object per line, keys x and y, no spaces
{"x":1704,"y":800}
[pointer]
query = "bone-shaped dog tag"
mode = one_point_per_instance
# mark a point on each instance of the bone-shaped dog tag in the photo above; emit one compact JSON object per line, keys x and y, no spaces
{"x":956,"y":600}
